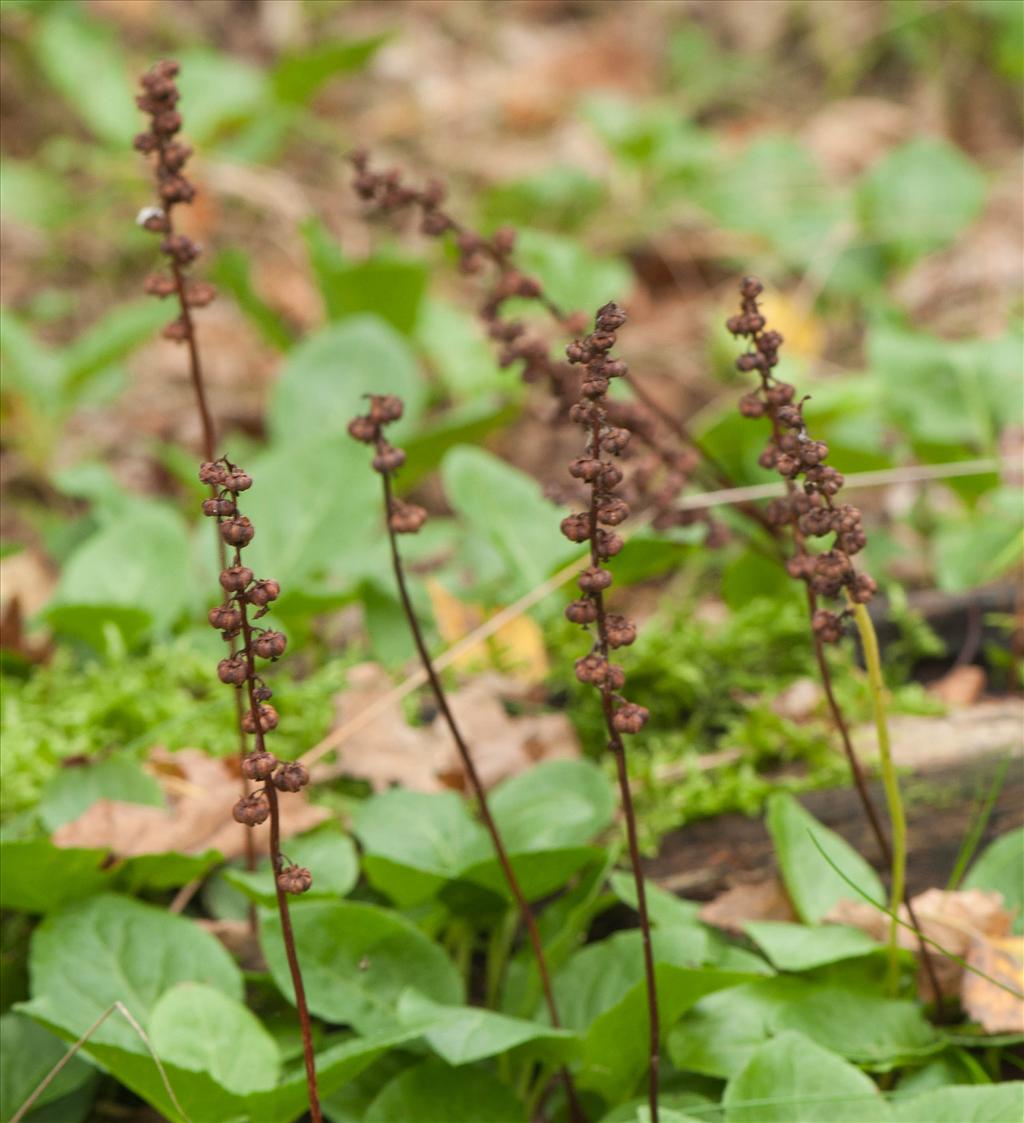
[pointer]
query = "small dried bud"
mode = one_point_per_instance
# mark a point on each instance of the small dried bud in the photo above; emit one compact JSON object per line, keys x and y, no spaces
{"x":252,"y":809}
{"x":863,"y":588}
{"x":406,"y":518}
{"x":607,"y":543}
{"x":235,"y":578}
{"x":504,"y":240}
{"x":610,"y":317}
{"x":751,"y":288}
{"x":610,"y":477}
{"x":585,"y":468}
{"x":224,"y":618}
{"x":295,"y":879}
{"x":236,"y":480}
{"x":576,"y":527}
{"x":259,"y":765}
{"x":263,"y":592}
{"x":827,"y":626}
{"x":389,"y":459}
{"x":612,"y":512}
{"x":576,"y":352}
{"x":181,"y":248}
{"x":158,"y":284}
{"x":593,"y":579}
{"x":270,"y":645}
{"x":176,"y":331}
{"x":621,"y":632}
{"x":291,"y":777}
{"x":594,"y":386}
{"x":237,"y":531}
{"x":268,"y":719}
{"x":198,"y":294}
{"x":752,"y":406}
{"x":385,"y":408}
{"x":581,"y":611}
{"x":363,"y":429}
{"x":212,"y":473}
{"x":630,"y":718}
{"x":233,"y":671}
{"x":219,"y":507}
{"x":781,"y":394}
{"x":592,"y":668}
{"x":615,"y":440}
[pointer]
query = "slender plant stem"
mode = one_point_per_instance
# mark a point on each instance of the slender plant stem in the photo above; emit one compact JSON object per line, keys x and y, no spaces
{"x":619,"y":752}
{"x":894,"y":800}
{"x":479,"y":793}
{"x":287,"y":934}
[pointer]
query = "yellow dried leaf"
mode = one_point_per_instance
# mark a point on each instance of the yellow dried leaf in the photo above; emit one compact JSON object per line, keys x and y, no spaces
{"x":802,"y":331}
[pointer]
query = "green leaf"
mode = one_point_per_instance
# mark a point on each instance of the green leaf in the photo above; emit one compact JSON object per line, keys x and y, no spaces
{"x":389,"y":287}
{"x":136,"y":562}
{"x":572,"y":277}
{"x":298,"y":75}
{"x":602,"y":994}
{"x":539,"y":873}
{"x":919,"y":197}
{"x":722,"y":1032}
{"x":875,"y":1032}
{"x":356,"y":960}
{"x":29,"y":366}
{"x":432,"y":1091}
{"x":29,"y":1052}
{"x":36,"y":876}
{"x":33,"y":195}
{"x":999,"y":1103}
{"x":980,"y":546}
{"x":201,"y":1029}
{"x":813,"y":886}
{"x":795,"y":947}
{"x":163,"y":871}
{"x":323,"y":382}
{"x":559,"y":803}
{"x":414,"y":842}
{"x":232,"y":273}
{"x":1001,"y":867}
{"x":790,"y":1079}
{"x":110,"y":949}
{"x":663,"y":908}
{"x":75,"y":789}
{"x":82,"y":59}
{"x":301,"y":543}
{"x":218,"y":91}
{"x":463,"y":1034}
{"x":522,"y":527}
{"x":328,"y":853}
{"x":458,"y":351}
{"x":561,"y":197}
{"x":115,"y":336}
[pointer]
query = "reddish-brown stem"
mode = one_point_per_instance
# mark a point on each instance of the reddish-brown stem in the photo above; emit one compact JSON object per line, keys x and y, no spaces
{"x":619,"y":751}
{"x":479,"y":792}
{"x":287,"y":935}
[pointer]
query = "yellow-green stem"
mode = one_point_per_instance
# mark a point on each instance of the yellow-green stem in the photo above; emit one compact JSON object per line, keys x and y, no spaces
{"x":893,"y":799}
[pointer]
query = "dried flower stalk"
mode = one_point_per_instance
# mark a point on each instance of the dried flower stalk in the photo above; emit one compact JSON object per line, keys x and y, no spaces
{"x":607,"y":510}
{"x":814,"y":512}
{"x":402,"y":517}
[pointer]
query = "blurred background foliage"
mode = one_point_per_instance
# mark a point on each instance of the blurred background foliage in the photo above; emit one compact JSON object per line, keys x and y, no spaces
{"x":862,"y":157}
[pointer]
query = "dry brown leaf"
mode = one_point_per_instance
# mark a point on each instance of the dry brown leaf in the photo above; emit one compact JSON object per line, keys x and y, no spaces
{"x":847,"y":136}
{"x":962,"y":686}
{"x":389,"y":751}
{"x":762,"y":900}
{"x":201,"y":790}
{"x":992,"y":1007}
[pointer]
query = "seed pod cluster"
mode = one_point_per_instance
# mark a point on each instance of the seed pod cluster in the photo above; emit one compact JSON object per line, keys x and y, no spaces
{"x":811,"y":511}
{"x":245,"y":595}
{"x":158,"y":99}
{"x":403,"y":517}
{"x":607,"y":509}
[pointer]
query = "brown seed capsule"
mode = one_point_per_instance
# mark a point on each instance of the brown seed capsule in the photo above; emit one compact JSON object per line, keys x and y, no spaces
{"x":591,"y":668}
{"x":259,"y":765}
{"x":235,"y":578}
{"x":159,"y":284}
{"x":212,"y":472}
{"x":268,"y":719}
{"x":863,"y":588}
{"x":224,"y":618}
{"x":236,"y":480}
{"x":233,"y":671}
{"x":291,"y":777}
{"x":385,"y":408}
{"x":406,"y":518}
{"x":610,"y":477}
{"x":363,"y":429}
{"x":612,"y":512}
{"x":219,"y":507}
{"x":263,"y":592}
{"x":607,"y":543}
{"x":827,"y":626}
{"x":752,"y":406}
{"x":295,"y":879}
{"x":252,"y":809}
{"x":585,"y":468}
{"x":615,"y":440}
{"x":237,"y":531}
{"x":621,"y":632}
{"x":198,"y":294}
{"x":389,"y":459}
{"x":582,"y":611}
{"x":593,"y":579}
{"x":630,"y":718}
{"x":576,"y":527}
{"x":270,"y":645}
